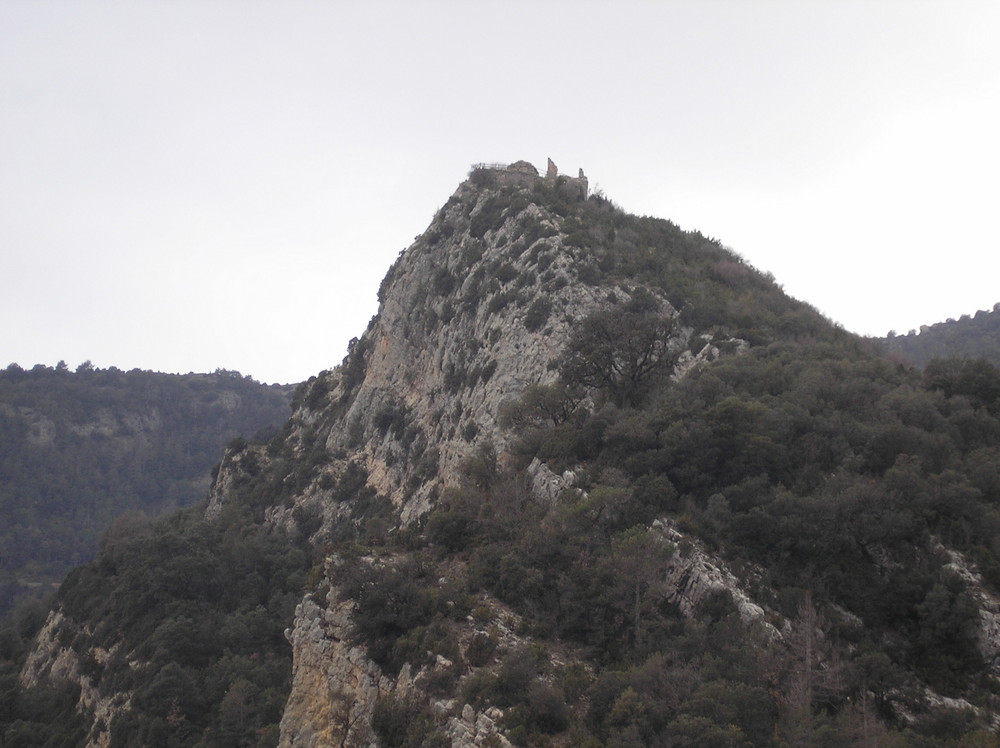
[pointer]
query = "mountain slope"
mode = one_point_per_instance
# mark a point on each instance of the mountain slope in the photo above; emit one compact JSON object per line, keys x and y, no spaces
{"x":586,"y":479}
{"x":79,"y":448}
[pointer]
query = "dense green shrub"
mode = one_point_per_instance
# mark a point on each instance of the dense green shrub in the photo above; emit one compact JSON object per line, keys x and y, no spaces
{"x":205,"y":605}
{"x":444,"y":282}
{"x":392,"y":601}
{"x":481,"y":649}
{"x":39,"y":716}
{"x":354,"y":366}
{"x":403,"y":722}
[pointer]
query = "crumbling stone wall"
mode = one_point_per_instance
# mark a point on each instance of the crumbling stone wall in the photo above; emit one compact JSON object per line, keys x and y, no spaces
{"x":524,"y":174}
{"x":576,"y":187}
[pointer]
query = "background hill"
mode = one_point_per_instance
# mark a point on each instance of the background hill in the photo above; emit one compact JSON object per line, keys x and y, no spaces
{"x":586,"y":479}
{"x":976,"y":336}
{"x":77,"y":449}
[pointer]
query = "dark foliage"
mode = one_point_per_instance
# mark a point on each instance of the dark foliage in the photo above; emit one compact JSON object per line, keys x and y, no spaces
{"x":204,"y":605}
{"x":395,"y":609}
{"x":405,"y":723}
{"x":40,"y":716}
{"x":816,"y":461}
{"x":622,"y":350}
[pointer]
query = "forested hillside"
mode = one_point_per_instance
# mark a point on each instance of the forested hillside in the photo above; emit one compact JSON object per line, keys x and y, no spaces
{"x":585,"y":480}
{"x":976,"y":336}
{"x":77,"y":449}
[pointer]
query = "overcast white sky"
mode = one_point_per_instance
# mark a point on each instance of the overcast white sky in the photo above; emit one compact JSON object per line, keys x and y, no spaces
{"x":186,"y":186}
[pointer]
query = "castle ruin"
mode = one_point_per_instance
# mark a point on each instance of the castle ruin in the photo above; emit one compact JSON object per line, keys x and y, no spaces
{"x":524,"y":174}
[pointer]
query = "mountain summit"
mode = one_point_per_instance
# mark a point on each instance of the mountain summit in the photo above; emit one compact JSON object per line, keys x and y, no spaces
{"x":586,"y":479}
{"x":474,"y":313}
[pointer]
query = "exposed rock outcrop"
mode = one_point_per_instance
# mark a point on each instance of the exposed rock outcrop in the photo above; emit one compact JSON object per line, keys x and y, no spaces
{"x":987,"y":631}
{"x":473,"y":729}
{"x":52,"y":661}
{"x":546,"y":485}
{"x":335,"y":686}
{"x":693,"y":577}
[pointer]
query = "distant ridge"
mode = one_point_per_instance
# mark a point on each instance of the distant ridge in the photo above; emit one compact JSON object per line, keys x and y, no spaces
{"x":77,"y":449}
{"x":975,"y":336}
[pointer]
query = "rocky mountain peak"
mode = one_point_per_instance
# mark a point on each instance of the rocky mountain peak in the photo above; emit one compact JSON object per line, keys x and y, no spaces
{"x":479,"y":308}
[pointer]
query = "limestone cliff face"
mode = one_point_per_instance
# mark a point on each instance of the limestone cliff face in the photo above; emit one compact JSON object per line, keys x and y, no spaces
{"x":479,"y":308}
{"x":449,"y":365}
{"x":53,"y":661}
{"x":334,"y":685}
{"x":693,"y":576}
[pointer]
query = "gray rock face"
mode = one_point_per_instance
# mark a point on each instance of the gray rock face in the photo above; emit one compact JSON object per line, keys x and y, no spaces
{"x":987,"y":631}
{"x":546,"y":485}
{"x":471,"y":314}
{"x":449,"y":364}
{"x":473,"y":729}
{"x":50,"y":661}
{"x":693,"y":576}
{"x":334,"y":685}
